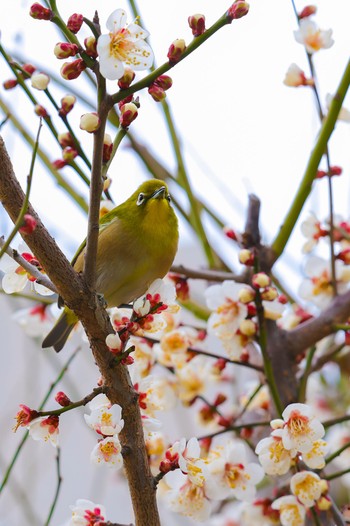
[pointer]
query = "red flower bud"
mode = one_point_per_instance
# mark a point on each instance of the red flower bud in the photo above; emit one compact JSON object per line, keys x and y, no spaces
{"x":124,"y":101}
{"x":90,"y":44}
{"x":230,"y":233}
{"x":128,"y":114}
{"x":125,"y":81}
{"x":336,"y":170}
{"x":72,"y":70}
{"x":65,"y":50}
{"x":75,"y":22}
{"x":164,"y":81}
{"x":41,"y":111}
{"x":107,"y":148}
{"x":197,"y":24}
{"x":237,"y":10}
{"x":176,"y":50}
{"x":69,"y":153}
{"x":28,"y":225}
{"x":344,"y":255}
{"x":220,"y":399}
{"x":40,"y":12}
{"x":157,"y":93}
{"x":58,"y":164}
{"x":307,"y":11}
{"x":29,"y":68}
{"x":62,"y":399}
{"x":65,"y":139}
{"x":10,"y":84}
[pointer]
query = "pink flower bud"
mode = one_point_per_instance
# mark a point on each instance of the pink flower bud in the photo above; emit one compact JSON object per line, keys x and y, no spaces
{"x":89,"y":122}
{"x":246,"y":257}
{"x":75,"y":22}
{"x":69,"y":154}
{"x":65,"y":139}
{"x":164,"y":81}
{"x":176,"y":50}
{"x":10,"y":84}
{"x":67,"y":104}
{"x":128,"y":114}
{"x":72,"y":70}
{"x":197,"y":24}
{"x":107,"y":148}
{"x":62,"y":399}
{"x":40,"y":12}
{"x":336,"y":170}
{"x":230,"y":233}
{"x":41,"y":111}
{"x":307,"y":11}
{"x":125,"y":81}
{"x":65,"y":50}
{"x":28,"y":225}
{"x":237,"y":10}
{"x":40,"y":81}
{"x":260,"y":280}
{"x":58,"y":164}
{"x":157,"y":93}
{"x":90,"y":44}
{"x":29,"y":68}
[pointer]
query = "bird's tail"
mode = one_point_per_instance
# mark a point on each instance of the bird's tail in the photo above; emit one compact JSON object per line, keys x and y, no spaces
{"x":58,"y":335}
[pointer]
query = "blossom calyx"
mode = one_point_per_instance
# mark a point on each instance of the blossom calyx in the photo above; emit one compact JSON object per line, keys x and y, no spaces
{"x":65,"y":50}
{"x":75,"y":22}
{"x":176,"y":50}
{"x":90,"y":122}
{"x":237,"y":10}
{"x":39,"y":12}
{"x":67,"y":104}
{"x":197,"y":24}
{"x":128,"y":114}
{"x":28,"y":225}
{"x":127,"y":78}
{"x":40,"y":81}
{"x":72,"y":70}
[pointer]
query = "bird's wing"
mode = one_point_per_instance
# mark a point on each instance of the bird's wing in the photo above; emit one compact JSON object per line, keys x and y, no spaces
{"x":104,"y":221}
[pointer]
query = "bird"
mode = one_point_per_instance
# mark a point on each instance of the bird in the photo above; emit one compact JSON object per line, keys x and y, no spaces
{"x":137,"y":244}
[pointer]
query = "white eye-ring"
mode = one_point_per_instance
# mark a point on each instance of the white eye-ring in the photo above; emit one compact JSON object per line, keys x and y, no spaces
{"x":140,"y":199}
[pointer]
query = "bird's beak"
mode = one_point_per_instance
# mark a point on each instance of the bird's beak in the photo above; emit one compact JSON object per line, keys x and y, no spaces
{"x":159,"y":194}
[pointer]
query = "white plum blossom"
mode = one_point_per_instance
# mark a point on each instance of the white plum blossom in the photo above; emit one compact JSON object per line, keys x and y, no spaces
{"x":312,"y":37}
{"x":187,"y":498}
{"x":45,"y":428}
{"x":85,"y":513}
{"x":150,"y":425}
{"x":173,"y":346}
{"x":156,"y":394}
{"x":230,"y":475}
{"x":307,"y":487}
{"x":104,"y":418}
{"x":193,"y":377}
{"x":273,"y":456}
{"x":108,"y":452}
{"x":300,"y":428}
{"x":292,"y":512}
{"x":315,"y":458}
{"x":123,"y":45}
{"x":295,"y":77}
{"x":311,"y":229}
{"x":34,"y":320}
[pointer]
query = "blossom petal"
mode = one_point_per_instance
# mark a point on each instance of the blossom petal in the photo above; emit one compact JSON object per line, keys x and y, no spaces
{"x":116,"y":20}
{"x":14,"y":282}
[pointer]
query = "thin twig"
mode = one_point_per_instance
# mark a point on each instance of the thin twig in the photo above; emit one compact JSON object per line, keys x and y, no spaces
{"x":58,"y":487}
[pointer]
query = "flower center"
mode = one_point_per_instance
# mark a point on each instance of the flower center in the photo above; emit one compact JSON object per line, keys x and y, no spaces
{"x":298,"y":424}
{"x":120,"y":45}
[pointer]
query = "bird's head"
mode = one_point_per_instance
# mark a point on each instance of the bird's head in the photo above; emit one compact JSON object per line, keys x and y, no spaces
{"x":152,"y":200}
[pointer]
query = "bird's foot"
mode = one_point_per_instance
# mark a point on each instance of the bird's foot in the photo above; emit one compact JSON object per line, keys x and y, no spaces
{"x":101,"y":300}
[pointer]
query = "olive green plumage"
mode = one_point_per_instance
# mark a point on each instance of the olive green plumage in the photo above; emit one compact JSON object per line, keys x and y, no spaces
{"x":137,"y":244}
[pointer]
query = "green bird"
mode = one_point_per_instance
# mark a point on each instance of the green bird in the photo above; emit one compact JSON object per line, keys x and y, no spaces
{"x":137,"y":244}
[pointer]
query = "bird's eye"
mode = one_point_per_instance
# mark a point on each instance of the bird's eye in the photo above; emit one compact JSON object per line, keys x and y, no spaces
{"x":140,"y":199}
{"x":168,"y":198}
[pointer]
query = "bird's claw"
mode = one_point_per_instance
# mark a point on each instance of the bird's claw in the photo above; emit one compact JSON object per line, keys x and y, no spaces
{"x":101,"y":300}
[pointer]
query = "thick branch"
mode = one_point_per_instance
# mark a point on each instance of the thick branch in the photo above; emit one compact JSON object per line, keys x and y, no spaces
{"x":95,"y":320}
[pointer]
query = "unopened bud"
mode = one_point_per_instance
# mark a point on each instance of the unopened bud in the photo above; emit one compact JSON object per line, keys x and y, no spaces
{"x":65,"y":50}
{"x":69,"y":154}
{"x":72,"y":70}
{"x":308,"y":10}
{"x":246,"y":295}
{"x":62,"y":399}
{"x":220,"y":399}
{"x":40,"y":81}
{"x":324,"y":503}
{"x":246,"y":257}
{"x":107,"y":183}
{"x":28,"y":225}
{"x":107,"y":148}
{"x":247,"y":327}
{"x":10,"y":84}
{"x":29,"y":69}
{"x":237,"y":10}
{"x":90,"y":122}
{"x":41,"y":111}
{"x":197,"y":24}
{"x":230,"y":233}
{"x":344,"y":255}
{"x":67,"y":104}
{"x":75,"y":22}
{"x":295,"y":77}
{"x":113,"y":341}
{"x":40,"y":12}
{"x":124,"y":101}
{"x":58,"y":164}
{"x":157,"y":93}
{"x":90,"y":44}
{"x":176,"y":50}
{"x":336,"y":170}
{"x":269,"y":294}
{"x":164,"y":81}
{"x":127,"y":78}
{"x":65,"y":139}
{"x":128,"y":114}
{"x":260,"y":280}
{"x":277,"y":423}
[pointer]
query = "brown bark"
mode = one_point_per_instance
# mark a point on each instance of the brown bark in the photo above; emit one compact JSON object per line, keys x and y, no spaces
{"x":72,"y":287}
